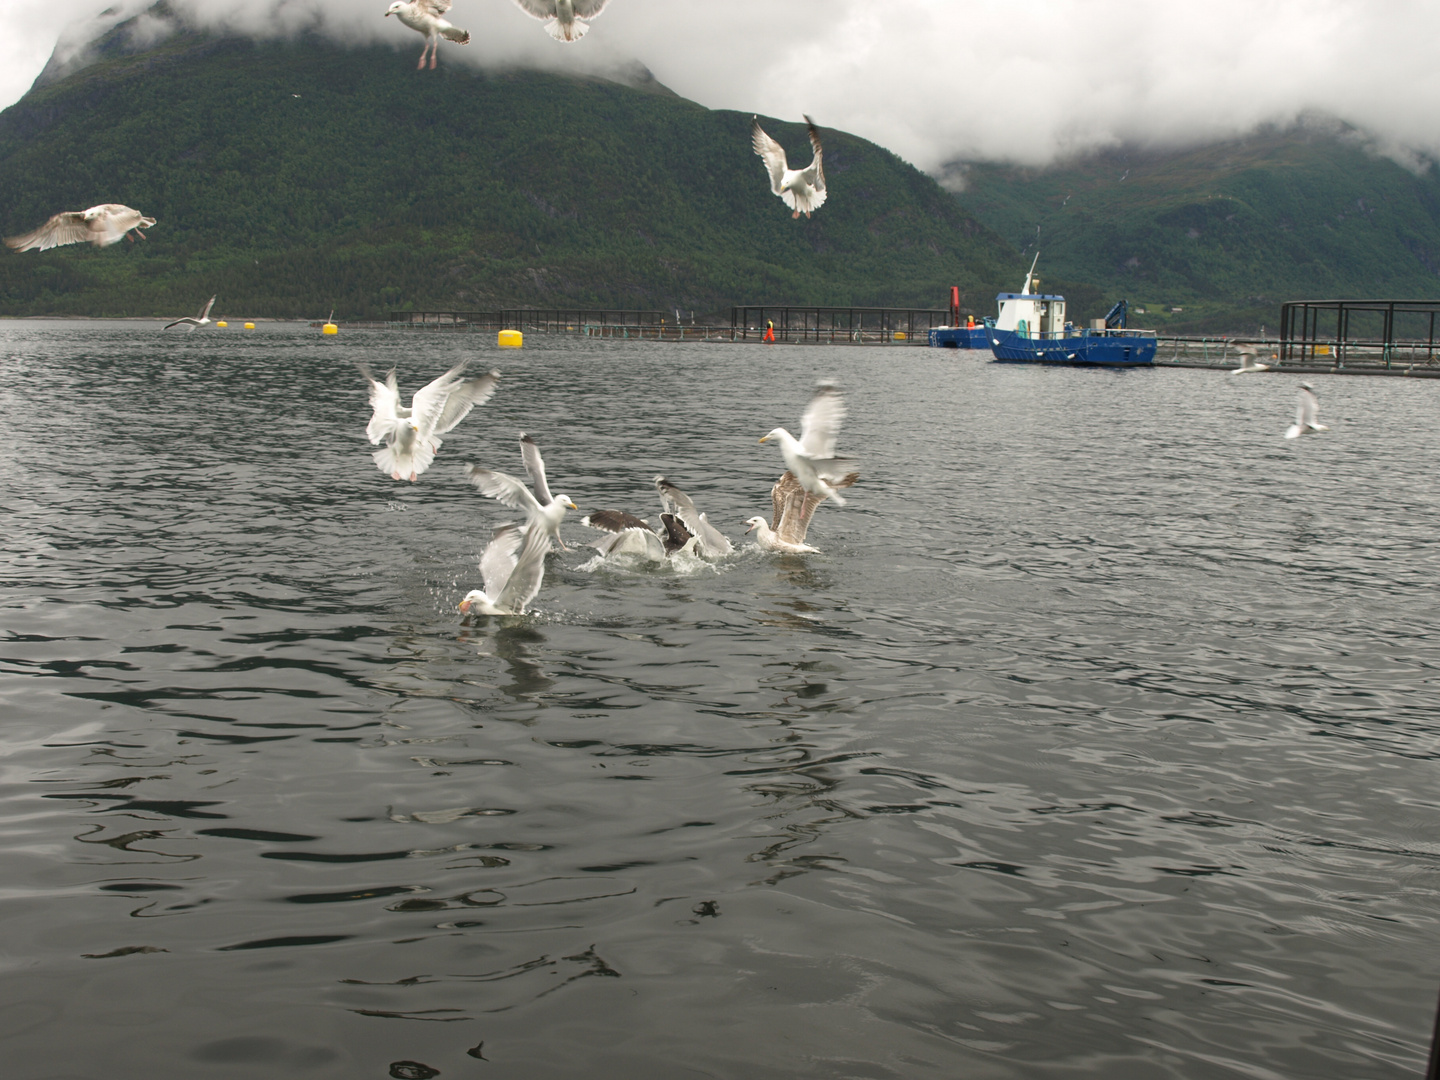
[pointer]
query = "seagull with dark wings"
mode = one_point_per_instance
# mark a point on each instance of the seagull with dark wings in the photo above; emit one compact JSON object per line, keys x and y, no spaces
{"x":101,"y":225}
{"x":803,"y":190}
{"x":565,"y":20}
{"x":424,"y":17}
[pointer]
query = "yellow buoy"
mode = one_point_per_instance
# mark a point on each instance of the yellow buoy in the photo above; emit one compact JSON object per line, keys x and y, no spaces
{"x":900,"y":335}
{"x":249,"y":326}
{"x":329,"y":328}
{"x":222,"y":324}
{"x":511,"y":339}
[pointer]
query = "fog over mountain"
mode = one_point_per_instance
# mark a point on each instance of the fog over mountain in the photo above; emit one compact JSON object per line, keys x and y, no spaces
{"x":937,"y":81}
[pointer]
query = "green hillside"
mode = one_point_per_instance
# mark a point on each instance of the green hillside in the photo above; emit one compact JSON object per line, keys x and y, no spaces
{"x":1228,"y":231}
{"x":291,"y":178}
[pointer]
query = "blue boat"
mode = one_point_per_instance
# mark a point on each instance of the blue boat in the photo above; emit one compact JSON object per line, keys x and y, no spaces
{"x":1031,"y":329}
{"x":957,"y":335}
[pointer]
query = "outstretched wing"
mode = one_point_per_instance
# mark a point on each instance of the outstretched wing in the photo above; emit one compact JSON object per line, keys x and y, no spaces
{"x":540,"y":9}
{"x":1307,"y":412}
{"x":588,"y":9}
{"x":529,"y":571}
{"x":62,"y":229}
{"x":676,"y":535}
{"x":794,"y":506}
{"x":497,"y":562}
{"x":771,"y":153}
{"x":712,"y":540}
{"x":614,"y":521}
{"x":505,"y":488}
{"x":428,"y":404}
{"x":535,"y":469}
{"x":464,"y":397}
{"x":433,"y":7}
{"x":820,"y":426}
{"x":205,"y":311}
{"x":815,"y":172}
{"x":383,"y":399}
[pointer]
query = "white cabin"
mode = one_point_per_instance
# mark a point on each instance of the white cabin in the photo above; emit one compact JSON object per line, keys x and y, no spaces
{"x":1031,"y":314}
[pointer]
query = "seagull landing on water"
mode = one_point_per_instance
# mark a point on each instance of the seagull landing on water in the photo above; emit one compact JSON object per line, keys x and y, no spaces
{"x":511,"y":569}
{"x":424,"y":17}
{"x":1248,"y":364}
{"x":203,"y":319}
{"x":1307,"y":414}
{"x":101,"y":225}
{"x":812,"y":456}
{"x":803,"y":190}
{"x":564,"y":19}
{"x":412,"y":436}
{"x":543,"y":518}
{"x":793,"y":509}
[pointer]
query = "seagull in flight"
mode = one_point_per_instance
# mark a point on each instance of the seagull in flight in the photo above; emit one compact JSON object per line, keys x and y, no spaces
{"x":1248,"y":364}
{"x":803,"y":190}
{"x":203,"y":319}
{"x":424,"y":17}
{"x":101,"y":225}
{"x":1307,"y":414}
{"x":540,"y":517}
{"x":564,"y":19}
{"x":812,"y":456}
{"x":412,"y":436}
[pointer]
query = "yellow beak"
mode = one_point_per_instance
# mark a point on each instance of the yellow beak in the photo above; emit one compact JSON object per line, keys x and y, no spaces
{"x":764,"y":437}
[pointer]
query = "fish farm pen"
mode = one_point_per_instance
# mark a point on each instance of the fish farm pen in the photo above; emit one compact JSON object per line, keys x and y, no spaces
{"x":1346,"y":333}
{"x":836,"y":325}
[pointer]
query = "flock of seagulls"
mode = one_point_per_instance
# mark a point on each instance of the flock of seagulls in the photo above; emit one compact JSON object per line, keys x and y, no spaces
{"x":512,"y":567}
{"x":565,"y":20}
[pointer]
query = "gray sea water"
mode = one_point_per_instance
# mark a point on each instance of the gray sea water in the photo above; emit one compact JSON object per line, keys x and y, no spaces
{"x":1100,"y":741}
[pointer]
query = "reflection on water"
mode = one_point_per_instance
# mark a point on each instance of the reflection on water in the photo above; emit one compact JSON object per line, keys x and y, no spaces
{"x":1092,"y":744}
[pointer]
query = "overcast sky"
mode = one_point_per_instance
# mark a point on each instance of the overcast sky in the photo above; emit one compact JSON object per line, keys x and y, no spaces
{"x":936,"y":81}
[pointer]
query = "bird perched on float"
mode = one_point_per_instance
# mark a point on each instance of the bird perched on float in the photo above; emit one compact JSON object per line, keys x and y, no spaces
{"x":564,"y":19}
{"x":803,"y":190}
{"x":793,"y":509}
{"x":812,"y":456}
{"x":1307,"y":414}
{"x":425,"y":18}
{"x":412,"y":435}
{"x":203,"y":319}
{"x":101,"y":225}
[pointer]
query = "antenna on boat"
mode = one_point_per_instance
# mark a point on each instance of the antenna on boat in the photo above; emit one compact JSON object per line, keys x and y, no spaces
{"x":1031,"y":274}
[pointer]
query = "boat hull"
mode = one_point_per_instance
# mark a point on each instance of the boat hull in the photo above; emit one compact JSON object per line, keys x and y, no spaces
{"x":959,"y":337}
{"x":1084,"y":349}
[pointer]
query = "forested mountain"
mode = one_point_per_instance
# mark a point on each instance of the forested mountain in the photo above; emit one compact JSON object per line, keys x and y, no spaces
{"x":294,"y":177}
{"x":1226,"y":232}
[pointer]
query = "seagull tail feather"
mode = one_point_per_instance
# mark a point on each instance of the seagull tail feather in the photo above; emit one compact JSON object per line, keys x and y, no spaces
{"x":572,"y":31}
{"x":455,"y":34}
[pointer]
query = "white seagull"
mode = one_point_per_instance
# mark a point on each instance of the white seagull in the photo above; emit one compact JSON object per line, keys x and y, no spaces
{"x":794,"y":507}
{"x":1248,"y":364}
{"x":812,"y":456}
{"x":544,"y":518}
{"x":101,"y":225}
{"x":564,"y":19}
{"x":803,"y":190}
{"x":412,"y":436}
{"x":511,"y":568}
{"x":203,"y":319}
{"x":1307,"y":414}
{"x":710,"y":543}
{"x":424,"y":17}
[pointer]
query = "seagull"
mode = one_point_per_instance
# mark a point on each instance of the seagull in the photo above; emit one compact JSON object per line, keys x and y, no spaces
{"x":709,"y":541}
{"x":203,"y":319}
{"x":803,"y":190}
{"x":511,"y":580}
{"x":101,"y":225}
{"x":564,"y":19}
{"x":1306,"y":414}
{"x":812,"y":456}
{"x":535,"y":469}
{"x":626,"y":535}
{"x":1248,"y":364}
{"x":412,"y":436}
{"x":423,"y":16}
{"x":794,"y":507}
{"x":540,"y":517}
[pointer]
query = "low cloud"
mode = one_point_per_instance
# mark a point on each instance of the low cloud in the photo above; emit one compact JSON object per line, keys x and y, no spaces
{"x":943,"y":82}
